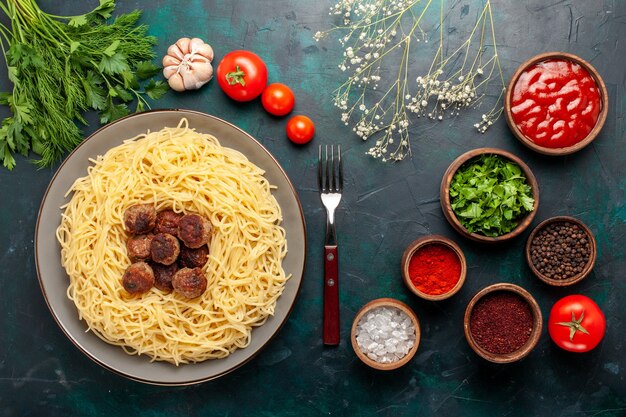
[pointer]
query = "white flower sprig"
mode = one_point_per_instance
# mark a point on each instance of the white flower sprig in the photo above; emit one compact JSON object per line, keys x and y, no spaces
{"x":377,"y":31}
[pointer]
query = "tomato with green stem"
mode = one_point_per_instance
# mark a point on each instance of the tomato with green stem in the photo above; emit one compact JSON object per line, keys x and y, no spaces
{"x":576,"y":323}
{"x":242,"y":75}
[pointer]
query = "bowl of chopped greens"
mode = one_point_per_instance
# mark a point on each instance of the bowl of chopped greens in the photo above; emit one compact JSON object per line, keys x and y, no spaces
{"x":489,"y":195}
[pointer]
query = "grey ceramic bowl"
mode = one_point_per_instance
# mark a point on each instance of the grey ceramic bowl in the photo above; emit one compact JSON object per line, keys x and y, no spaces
{"x":54,"y":280}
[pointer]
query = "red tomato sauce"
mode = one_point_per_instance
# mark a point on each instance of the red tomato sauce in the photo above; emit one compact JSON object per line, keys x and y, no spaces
{"x":556,"y":103}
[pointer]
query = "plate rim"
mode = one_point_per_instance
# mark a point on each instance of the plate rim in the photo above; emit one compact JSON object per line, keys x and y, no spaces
{"x":86,"y":351}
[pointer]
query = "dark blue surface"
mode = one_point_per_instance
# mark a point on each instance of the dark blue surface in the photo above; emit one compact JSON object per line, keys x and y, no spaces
{"x":384,"y":208}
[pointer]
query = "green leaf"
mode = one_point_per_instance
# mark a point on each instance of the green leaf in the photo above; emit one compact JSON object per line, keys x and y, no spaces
{"x":7,"y":159}
{"x":4,"y":98}
{"x":78,"y":21}
{"x":156,"y":89}
{"x":113,"y":112}
{"x":140,"y":106}
{"x":489,"y":195}
{"x":94,"y":93}
{"x":130,"y":80}
{"x":113,"y":65}
{"x":14,"y":75}
{"x":110,"y":50}
{"x":105,"y":8}
{"x":474,"y":211}
{"x":146,"y":69}
{"x":22,"y":113}
{"x":74,"y":46}
{"x":123,"y":94}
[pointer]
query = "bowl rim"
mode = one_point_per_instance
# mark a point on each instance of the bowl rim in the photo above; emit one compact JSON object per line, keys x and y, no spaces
{"x":385,"y":302}
{"x":446,"y":206}
{"x":535,"y":334}
{"x":588,"y":266}
{"x":604,"y":99}
{"x":421,"y":243}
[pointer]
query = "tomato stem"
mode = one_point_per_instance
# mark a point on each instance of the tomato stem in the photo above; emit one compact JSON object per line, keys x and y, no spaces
{"x":574,"y":325}
{"x":236,"y":77}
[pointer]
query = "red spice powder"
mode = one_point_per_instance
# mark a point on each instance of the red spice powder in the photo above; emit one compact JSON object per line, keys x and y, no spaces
{"x":434,"y":269}
{"x":501,"y":322}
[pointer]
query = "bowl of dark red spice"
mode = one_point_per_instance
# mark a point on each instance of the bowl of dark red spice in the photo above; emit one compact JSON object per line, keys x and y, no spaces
{"x":561,"y":251}
{"x":385,"y":334}
{"x":556,"y":103}
{"x":434,"y":267}
{"x":502,"y":323}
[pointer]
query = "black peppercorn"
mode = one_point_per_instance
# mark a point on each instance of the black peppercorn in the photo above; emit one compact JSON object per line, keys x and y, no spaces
{"x":560,"y":251}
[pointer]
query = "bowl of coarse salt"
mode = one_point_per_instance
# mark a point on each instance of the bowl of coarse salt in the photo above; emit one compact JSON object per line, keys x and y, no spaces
{"x":385,"y":334}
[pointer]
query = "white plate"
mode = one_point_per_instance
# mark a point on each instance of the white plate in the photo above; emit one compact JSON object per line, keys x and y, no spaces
{"x":54,"y":280}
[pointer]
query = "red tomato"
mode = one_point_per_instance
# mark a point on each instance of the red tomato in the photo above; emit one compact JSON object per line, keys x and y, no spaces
{"x":300,"y":129}
{"x":576,"y":323}
{"x":278,"y":99}
{"x":242,"y":75}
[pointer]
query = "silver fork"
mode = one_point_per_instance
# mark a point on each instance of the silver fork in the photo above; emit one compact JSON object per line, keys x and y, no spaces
{"x":330,"y":181}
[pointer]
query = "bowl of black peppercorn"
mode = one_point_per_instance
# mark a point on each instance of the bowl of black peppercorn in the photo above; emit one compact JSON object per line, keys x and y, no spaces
{"x":561,"y":251}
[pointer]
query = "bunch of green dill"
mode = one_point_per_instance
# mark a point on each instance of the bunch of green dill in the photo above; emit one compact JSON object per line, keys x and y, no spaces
{"x":63,"y":66}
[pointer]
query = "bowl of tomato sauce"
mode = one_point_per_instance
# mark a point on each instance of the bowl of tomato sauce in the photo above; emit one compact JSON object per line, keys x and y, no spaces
{"x":556,"y":103}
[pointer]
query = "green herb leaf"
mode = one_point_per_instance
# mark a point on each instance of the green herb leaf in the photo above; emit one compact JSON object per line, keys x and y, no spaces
{"x":156,"y":89}
{"x":130,"y":80}
{"x":113,"y":112}
{"x":105,"y":8}
{"x":146,"y":69}
{"x":115,"y":64}
{"x":110,"y":51}
{"x":74,"y":46}
{"x":489,"y":195}
{"x":7,"y":159}
{"x":123,"y":94}
{"x":94,"y":93}
{"x":78,"y":21}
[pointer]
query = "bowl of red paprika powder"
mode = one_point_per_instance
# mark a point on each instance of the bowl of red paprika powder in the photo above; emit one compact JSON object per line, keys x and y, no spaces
{"x":502,"y":323}
{"x":434,"y":267}
{"x":556,"y":103}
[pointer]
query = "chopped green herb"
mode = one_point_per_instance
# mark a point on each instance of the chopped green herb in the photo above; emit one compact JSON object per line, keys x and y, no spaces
{"x":489,"y":195}
{"x":63,"y":66}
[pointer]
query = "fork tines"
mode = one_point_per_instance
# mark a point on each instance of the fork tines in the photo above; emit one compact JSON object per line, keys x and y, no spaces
{"x":330,"y":172}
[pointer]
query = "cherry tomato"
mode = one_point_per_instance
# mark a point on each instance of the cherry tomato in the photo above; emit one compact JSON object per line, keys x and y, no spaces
{"x":300,"y":129}
{"x":242,"y":75}
{"x":278,"y":99}
{"x":576,"y":323}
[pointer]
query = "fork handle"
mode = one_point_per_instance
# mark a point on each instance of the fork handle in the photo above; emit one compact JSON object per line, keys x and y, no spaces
{"x":331,"y":295}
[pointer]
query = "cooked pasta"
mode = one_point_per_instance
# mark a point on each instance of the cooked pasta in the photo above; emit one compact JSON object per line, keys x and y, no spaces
{"x":186,"y":171}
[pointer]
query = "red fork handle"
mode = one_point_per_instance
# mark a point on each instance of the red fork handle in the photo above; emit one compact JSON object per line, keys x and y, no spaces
{"x":331,"y":296}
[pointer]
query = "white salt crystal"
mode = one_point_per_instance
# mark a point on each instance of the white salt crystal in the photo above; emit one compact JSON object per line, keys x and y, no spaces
{"x":385,"y":334}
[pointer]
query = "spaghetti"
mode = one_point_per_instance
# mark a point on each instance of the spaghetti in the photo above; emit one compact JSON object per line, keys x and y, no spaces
{"x":186,"y":171}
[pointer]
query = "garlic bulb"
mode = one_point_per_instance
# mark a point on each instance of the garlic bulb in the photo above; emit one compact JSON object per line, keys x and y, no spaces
{"x":187,"y":65}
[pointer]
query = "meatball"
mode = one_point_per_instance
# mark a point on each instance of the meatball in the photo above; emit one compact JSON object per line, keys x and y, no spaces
{"x":194,"y":230}
{"x":190,"y":283}
{"x":167,"y":222}
{"x":194,"y":258}
{"x":164,"y":248}
{"x":138,"y":247}
{"x":140,"y":218}
{"x":163,"y":275}
{"x":138,"y":278}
